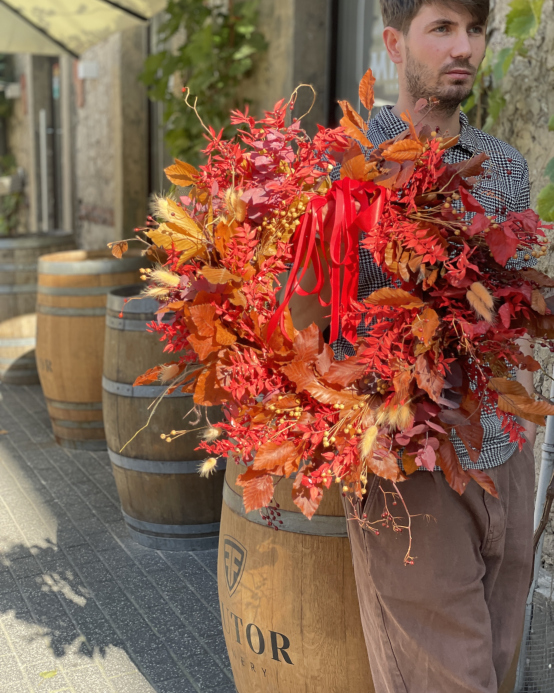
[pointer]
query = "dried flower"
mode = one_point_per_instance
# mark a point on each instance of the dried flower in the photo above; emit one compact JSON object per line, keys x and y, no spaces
{"x":207,"y":467}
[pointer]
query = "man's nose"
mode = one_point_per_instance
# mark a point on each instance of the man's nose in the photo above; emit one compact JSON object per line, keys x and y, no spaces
{"x":462,"y":46}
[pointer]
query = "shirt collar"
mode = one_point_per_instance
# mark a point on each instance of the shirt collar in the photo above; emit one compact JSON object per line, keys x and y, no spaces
{"x":392,"y":126}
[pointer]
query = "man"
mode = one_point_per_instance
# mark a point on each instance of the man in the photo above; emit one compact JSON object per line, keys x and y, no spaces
{"x":451,"y":622}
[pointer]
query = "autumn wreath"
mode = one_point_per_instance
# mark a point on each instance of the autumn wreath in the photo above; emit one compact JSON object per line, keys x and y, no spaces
{"x":442,"y":339}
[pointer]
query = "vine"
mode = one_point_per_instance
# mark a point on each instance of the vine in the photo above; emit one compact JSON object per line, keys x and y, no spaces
{"x":220,"y":42}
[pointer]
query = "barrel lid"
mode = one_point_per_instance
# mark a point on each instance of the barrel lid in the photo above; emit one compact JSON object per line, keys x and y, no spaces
{"x":37,"y":240}
{"x":117,"y":297}
{"x":89,"y":262}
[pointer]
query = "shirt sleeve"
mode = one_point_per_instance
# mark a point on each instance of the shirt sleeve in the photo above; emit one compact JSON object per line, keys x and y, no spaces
{"x":521,"y":203}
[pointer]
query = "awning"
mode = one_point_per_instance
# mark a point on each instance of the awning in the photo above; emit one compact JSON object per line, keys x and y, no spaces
{"x":49,"y":27}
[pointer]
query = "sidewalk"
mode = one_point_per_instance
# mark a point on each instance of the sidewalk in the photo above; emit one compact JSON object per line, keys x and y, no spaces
{"x":82,"y":607}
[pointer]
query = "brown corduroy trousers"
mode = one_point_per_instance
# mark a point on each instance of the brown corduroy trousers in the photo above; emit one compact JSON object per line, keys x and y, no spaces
{"x":451,"y":622}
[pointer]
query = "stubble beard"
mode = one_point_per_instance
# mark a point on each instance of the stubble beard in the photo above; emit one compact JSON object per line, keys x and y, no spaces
{"x":423,"y":84}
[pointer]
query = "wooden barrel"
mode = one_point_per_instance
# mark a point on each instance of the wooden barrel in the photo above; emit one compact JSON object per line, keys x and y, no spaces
{"x":165,"y":503}
{"x":18,"y":268}
{"x":18,"y":364}
{"x":71,"y":314}
{"x":288,"y":598}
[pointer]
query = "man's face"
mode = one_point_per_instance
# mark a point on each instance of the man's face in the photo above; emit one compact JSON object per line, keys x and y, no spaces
{"x":441,"y":54}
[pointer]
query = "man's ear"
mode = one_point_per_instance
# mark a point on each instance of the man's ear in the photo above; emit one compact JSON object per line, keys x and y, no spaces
{"x":393,"y":39}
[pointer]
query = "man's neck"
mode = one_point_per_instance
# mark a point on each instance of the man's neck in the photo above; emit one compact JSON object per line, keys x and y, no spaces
{"x":437,"y":121}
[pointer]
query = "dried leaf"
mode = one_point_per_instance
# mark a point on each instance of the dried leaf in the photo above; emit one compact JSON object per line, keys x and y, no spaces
{"x":151,"y":376}
{"x":224,"y":336}
{"x":384,"y":463}
{"x":473,"y":166}
{"x":425,"y":325}
{"x":203,"y":316}
{"x":405,"y":150}
{"x":354,"y":125}
{"x":429,"y":380}
{"x":218,"y":275}
{"x":365,"y":90}
{"x":472,"y":438}
{"x":448,"y":461}
{"x":208,"y":391}
{"x":308,"y":344}
{"x":388,"y":175}
{"x":533,"y":275}
{"x":326,"y":395}
{"x":118,"y":248}
{"x":182,"y":174}
{"x":306,"y":498}
{"x":300,"y":373}
{"x":393,"y":297}
{"x":257,"y":492}
{"x":538,"y":303}
{"x":408,"y":463}
{"x":345,"y":372}
{"x":484,"y":481}
{"x":272,"y":456}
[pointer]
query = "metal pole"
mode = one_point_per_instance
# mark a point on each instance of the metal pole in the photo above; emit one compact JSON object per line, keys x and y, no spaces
{"x":545,"y":475}
{"x":42,"y":134}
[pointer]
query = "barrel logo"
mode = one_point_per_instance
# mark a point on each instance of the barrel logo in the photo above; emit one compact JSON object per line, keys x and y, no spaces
{"x":234,"y":557}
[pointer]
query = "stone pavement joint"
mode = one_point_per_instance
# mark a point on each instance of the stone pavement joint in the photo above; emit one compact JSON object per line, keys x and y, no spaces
{"x":83,"y":608}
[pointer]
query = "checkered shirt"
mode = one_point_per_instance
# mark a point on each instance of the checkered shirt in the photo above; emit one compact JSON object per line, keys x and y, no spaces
{"x":504,"y":187}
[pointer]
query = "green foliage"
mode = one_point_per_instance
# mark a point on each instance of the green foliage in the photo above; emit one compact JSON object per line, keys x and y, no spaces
{"x":551,"y":124}
{"x":545,"y":203}
{"x":9,"y":204}
{"x":549,"y":170}
{"x":221,"y":43}
{"x":486,"y":101}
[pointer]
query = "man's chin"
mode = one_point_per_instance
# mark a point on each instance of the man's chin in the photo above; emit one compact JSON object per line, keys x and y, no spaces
{"x":454,"y":95}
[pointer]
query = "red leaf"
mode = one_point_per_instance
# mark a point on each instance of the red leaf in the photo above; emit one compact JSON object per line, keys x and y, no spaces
{"x":325,"y":360}
{"x":472,"y":438}
{"x":470,"y":203}
{"x":384,"y":463}
{"x":505,"y":314}
{"x":308,"y":344}
{"x":306,"y":498}
{"x":272,"y":456}
{"x":503,"y":244}
{"x":203,"y":317}
{"x":528,"y":363}
{"x":450,"y":464}
{"x":484,"y":481}
{"x":428,"y":380}
{"x":533,"y":275}
{"x":345,"y":372}
{"x":480,"y":223}
{"x":300,"y":373}
{"x":258,"y":492}
{"x":208,"y":391}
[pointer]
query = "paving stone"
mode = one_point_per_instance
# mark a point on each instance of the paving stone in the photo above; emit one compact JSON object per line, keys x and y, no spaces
{"x":89,"y":680}
{"x":158,"y":665}
{"x":7,"y":583}
{"x":53,"y":679}
{"x":175,"y":686}
{"x":131,"y":683}
{"x":116,"y":661}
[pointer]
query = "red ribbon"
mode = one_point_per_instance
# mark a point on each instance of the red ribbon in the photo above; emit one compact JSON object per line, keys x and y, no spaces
{"x":344,"y":236}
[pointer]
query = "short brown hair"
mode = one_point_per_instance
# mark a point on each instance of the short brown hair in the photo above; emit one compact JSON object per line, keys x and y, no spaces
{"x":399,"y":13}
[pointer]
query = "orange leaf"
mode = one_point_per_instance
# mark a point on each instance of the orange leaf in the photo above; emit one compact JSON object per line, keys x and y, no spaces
{"x":366,"y":90}
{"x":393,"y":297}
{"x":510,"y":387}
{"x":203,"y":347}
{"x":425,"y":325}
{"x":222,"y":236}
{"x":305,"y":498}
{"x":300,"y":373}
{"x":272,"y":457}
{"x":223,"y":335}
{"x":308,"y":344}
{"x":151,"y":376}
{"x":345,"y":372}
{"x":326,"y":395}
{"x":118,"y":248}
{"x":218,"y":275}
{"x":405,"y":150}
{"x":354,"y":125}
{"x":257,"y":493}
{"x":407,"y":118}
{"x":408,"y":463}
{"x":353,"y":116}
{"x":537,"y":302}
{"x":448,"y":461}
{"x":203,"y":317}
{"x":182,"y":174}
{"x":208,"y":391}
{"x":384,"y":463}
{"x":533,"y":275}
{"x":472,"y":438}
{"x":401,"y":383}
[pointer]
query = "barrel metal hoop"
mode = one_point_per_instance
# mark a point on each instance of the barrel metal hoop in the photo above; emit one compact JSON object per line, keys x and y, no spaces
{"x":41,"y":240}
{"x":18,"y":342}
{"x":171,"y":529}
{"x":77,"y":406}
{"x":160,"y":543}
{"x":18,"y":288}
{"x":297,"y":523}
{"x":94,"y":267}
{"x":160,"y":466}
{"x":71,"y":312}
{"x":18,"y":267}
{"x":132,"y":304}
{"x":150,"y":391}
{"x":74,"y":290}
{"x":77,"y":424}
{"x":126,"y":325}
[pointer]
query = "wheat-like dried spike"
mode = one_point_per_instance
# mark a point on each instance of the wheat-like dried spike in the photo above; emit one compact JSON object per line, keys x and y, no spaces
{"x":164,"y":277}
{"x":207,"y":467}
{"x":404,"y":416}
{"x":367,"y":442}
{"x":158,"y":292}
{"x":483,"y":294}
{"x":211,"y":433}
{"x":168,"y":372}
{"x":478,"y":306}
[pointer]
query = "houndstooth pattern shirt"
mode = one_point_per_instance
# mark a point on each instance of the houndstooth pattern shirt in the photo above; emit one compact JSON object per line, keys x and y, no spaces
{"x":503,"y":188}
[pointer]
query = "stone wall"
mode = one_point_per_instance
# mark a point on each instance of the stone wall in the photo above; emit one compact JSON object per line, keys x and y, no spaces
{"x":529,"y":92}
{"x":111,"y":141}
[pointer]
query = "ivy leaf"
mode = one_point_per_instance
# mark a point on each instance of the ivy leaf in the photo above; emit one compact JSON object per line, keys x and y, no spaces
{"x":545,"y":203}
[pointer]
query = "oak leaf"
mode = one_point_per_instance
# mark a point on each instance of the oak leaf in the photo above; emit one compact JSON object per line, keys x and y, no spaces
{"x":182,"y":174}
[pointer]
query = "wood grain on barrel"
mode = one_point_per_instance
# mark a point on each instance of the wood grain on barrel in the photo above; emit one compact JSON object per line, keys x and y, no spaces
{"x":17,"y":350}
{"x":294,"y":588}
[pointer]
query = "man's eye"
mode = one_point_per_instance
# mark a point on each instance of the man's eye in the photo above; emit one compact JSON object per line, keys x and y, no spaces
{"x":441,"y":29}
{"x":476,"y":30}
